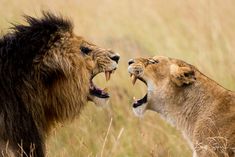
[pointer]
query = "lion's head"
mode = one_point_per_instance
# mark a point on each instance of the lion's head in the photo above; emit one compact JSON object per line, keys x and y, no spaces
{"x":46,"y":74}
{"x":67,"y":67}
{"x":97,"y":60}
{"x":164,"y":77}
{"x":50,"y":69}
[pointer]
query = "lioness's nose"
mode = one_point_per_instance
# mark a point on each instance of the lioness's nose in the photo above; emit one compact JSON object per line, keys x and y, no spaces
{"x":115,"y":58}
{"x":131,"y":61}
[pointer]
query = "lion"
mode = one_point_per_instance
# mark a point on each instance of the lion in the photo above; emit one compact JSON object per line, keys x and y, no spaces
{"x":46,"y":74}
{"x":198,"y":106}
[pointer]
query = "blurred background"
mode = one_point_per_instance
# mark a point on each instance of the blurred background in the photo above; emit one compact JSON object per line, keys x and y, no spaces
{"x":201,"y":32}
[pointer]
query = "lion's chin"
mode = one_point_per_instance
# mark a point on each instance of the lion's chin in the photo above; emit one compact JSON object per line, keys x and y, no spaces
{"x":100,"y":102}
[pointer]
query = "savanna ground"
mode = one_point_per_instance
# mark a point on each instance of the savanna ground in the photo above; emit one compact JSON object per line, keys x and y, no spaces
{"x":201,"y":32}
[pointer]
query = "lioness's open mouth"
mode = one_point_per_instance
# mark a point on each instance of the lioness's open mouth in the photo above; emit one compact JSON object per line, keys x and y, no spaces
{"x":143,"y":100}
{"x":97,"y":92}
{"x":140,"y":102}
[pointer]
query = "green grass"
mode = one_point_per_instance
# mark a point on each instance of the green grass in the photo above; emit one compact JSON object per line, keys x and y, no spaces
{"x":199,"y":32}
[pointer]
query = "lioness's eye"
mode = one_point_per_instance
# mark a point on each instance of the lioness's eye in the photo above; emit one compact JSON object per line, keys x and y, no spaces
{"x":85,"y":50}
{"x":152,"y":61}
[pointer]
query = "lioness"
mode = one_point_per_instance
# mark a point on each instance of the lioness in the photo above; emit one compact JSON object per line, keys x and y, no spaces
{"x":202,"y":109}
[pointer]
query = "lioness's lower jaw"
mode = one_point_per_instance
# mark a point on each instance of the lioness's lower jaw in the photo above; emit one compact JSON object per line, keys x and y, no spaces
{"x":140,"y":106}
{"x":139,"y":111}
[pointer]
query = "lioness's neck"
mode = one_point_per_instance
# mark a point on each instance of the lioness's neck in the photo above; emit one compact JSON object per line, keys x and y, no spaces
{"x":198,"y":99}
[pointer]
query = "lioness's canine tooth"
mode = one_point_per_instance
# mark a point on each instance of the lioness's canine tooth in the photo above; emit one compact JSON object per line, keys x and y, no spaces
{"x":135,"y":100}
{"x":133,"y":79}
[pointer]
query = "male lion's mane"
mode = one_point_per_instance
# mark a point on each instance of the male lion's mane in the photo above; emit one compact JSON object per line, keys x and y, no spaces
{"x":22,"y":101}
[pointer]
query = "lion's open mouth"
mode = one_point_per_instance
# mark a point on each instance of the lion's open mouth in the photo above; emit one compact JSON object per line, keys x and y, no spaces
{"x":100,"y":93}
{"x":139,"y":102}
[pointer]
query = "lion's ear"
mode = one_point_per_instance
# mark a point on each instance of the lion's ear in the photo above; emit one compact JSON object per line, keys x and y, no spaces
{"x":182,"y":75}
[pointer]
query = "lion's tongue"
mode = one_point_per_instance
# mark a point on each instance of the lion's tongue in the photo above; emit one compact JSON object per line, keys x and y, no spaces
{"x":140,"y":101}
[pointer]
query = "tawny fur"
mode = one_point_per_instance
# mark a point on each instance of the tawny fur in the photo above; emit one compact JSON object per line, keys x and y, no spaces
{"x":202,"y":109}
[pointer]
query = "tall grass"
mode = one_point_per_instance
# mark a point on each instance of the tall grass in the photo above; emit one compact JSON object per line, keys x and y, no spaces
{"x":200,"y":32}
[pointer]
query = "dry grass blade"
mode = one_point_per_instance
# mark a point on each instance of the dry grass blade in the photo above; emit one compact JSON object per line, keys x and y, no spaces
{"x":105,"y":139}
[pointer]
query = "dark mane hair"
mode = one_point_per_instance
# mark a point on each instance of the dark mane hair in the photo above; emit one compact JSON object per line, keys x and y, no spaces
{"x":18,"y":49}
{"x":25,"y":42}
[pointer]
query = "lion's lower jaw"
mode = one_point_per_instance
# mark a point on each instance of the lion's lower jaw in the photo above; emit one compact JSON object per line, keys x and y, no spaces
{"x":100,"y":102}
{"x":140,"y":110}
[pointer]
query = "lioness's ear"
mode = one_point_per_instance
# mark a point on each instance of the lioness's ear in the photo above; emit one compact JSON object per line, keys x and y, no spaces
{"x":182,"y":75}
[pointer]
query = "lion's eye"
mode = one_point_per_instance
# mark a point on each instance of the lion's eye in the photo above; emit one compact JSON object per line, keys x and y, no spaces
{"x":152,"y":61}
{"x":85,"y":50}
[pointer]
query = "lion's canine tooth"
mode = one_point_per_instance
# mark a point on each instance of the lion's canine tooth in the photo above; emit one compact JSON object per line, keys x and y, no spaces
{"x":105,"y":90}
{"x":133,"y":79}
{"x":110,"y":74}
{"x":107,"y":75}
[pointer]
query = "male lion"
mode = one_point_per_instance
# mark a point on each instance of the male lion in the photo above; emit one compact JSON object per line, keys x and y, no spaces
{"x":46,"y":74}
{"x":203,"y":110}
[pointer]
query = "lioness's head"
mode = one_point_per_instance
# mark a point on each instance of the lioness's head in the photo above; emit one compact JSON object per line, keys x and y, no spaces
{"x":164,"y":77}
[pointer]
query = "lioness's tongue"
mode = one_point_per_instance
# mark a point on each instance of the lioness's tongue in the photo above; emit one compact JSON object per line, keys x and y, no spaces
{"x":140,"y":101}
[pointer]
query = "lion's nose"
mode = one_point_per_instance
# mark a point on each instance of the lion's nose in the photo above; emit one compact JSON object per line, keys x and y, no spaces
{"x":131,"y":61}
{"x":115,"y":58}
